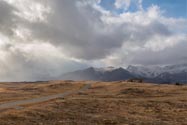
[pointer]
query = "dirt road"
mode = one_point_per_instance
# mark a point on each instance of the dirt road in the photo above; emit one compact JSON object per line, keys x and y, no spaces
{"x":16,"y":104}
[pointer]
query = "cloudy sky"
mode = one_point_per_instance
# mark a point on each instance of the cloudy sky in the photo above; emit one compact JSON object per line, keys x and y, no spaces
{"x":42,"y":39}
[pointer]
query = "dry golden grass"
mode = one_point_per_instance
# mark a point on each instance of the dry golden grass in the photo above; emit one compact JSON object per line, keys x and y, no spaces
{"x":106,"y":103}
{"x":20,"y":91}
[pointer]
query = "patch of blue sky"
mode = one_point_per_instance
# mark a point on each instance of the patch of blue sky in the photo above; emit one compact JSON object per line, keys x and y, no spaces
{"x":171,"y":8}
{"x":109,"y":5}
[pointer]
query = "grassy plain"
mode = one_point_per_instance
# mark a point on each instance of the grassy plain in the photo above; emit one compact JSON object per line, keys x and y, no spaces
{"x":105,"y":103}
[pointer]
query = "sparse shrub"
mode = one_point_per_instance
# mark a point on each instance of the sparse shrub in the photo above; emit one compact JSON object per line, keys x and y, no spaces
{"x":130,"y":80}
{"x":135,"y":80}
{"x":178,"y":84}
{"x":132,"y":91}
{"x":140,"y":80}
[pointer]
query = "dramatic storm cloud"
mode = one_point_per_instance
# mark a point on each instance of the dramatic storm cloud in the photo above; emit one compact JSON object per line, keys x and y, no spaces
{"x":41,"y":39}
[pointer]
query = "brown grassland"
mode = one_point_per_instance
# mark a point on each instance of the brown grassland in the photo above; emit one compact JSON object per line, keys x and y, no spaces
{"x":104,"y":103}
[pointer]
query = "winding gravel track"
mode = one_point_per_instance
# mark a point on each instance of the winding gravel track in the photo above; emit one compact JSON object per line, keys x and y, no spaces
{"x":16,"y":104}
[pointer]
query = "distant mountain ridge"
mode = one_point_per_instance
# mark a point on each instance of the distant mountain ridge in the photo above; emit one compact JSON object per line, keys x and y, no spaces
{"x":156,"y":74}
{"x":100,"y":74}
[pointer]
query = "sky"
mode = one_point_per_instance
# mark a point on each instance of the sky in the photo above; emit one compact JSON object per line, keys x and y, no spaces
{"x":42,"y":39}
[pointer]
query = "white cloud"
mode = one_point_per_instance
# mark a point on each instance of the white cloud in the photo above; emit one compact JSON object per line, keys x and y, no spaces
{"x":43,"y":39}
{"x":30,"y":10}
{"x":126,"y":4}
{"x":122,"y":4}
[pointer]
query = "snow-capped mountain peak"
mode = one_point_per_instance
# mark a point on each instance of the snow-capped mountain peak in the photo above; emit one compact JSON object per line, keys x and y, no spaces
{"x":145,"y":71}
{"x":176,"y":68}
{"x":153,"y":71}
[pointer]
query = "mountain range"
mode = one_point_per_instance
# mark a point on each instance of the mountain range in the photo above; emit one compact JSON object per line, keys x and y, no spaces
{"x":155,"y":74}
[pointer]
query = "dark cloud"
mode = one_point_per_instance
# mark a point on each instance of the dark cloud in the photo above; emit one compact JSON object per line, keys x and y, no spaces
{"x":7,"y":18}
{"x":78,"y":28}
